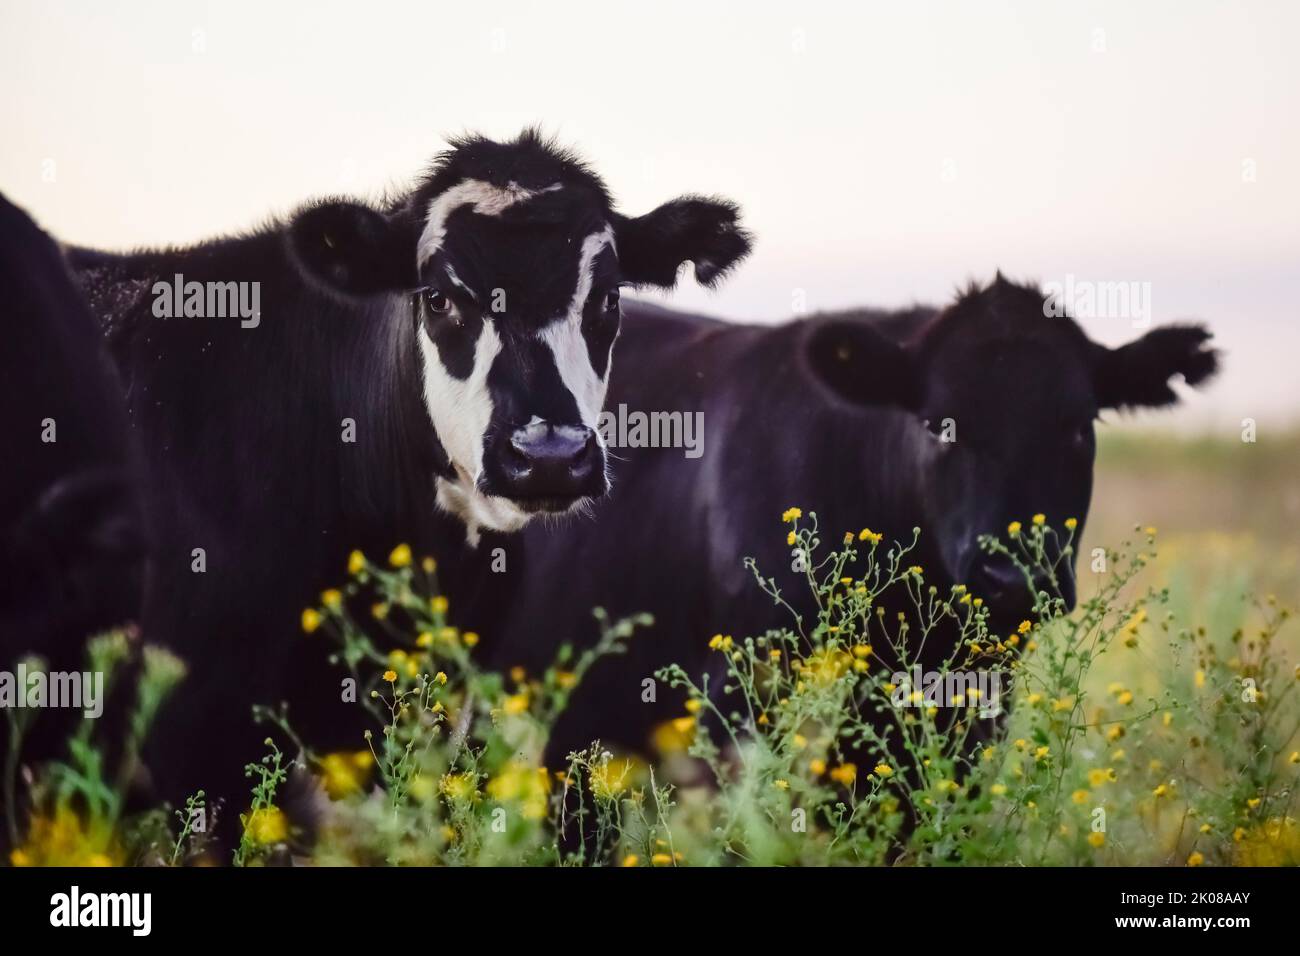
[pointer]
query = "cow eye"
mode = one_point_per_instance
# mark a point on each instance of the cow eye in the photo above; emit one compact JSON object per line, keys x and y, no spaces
{"x":612,"y":299}
{"x":436,"y":302}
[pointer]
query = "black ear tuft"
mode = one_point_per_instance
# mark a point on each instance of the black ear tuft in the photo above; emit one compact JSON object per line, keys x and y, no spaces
{"x":351,"y":248}
{"x":861,"y":366}
{"x":1137,"y":374}
{"x":704,"y":231}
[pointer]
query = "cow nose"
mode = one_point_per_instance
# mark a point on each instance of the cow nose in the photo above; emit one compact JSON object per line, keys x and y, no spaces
{"x":554,"y":454}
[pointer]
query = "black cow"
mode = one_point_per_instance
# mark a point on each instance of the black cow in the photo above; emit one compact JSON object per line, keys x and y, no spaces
{"x":72,"y":539}
{"x":844,"y":415}
{"x":427,"y":372}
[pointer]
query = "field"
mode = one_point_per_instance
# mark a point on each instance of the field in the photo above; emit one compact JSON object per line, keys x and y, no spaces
{"x":1157,"y":724}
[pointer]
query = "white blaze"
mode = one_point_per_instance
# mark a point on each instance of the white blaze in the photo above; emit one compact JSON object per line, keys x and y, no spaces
{"x":461,"y":409}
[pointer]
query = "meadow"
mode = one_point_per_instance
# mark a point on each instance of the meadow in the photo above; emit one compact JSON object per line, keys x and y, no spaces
{"x":1157,"y":723}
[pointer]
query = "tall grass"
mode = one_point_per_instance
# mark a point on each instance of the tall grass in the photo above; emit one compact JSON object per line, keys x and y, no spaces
{"x":821,"y":744}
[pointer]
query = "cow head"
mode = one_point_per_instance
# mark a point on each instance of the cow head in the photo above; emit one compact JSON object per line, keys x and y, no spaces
{"x":1002,"y":391}
{"x":508,"y":259}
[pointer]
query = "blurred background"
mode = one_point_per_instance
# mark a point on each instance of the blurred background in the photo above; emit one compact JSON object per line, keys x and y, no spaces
{"x":884,"y":154}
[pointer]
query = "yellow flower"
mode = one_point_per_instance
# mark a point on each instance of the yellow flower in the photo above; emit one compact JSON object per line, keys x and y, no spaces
{"x":332,"y":598}
{"x":356,"y":562}
{"x":915,"y":569}
{"x":1196,"y":859}
{"x":1080,"y":796}
{"x":1099,"y":777}
{"x":883,"y":770}
{"x":469,"y":638}
{"x":390,"y":676}
{"x":1295,"y":756}
{"x":673,"y":736}
{"x":1160,"y":791}
{"x":791,"y":538}
{"x":530,"y":786}
{"x":1096,"y":840}
{"x":1041,"y":753}
{"x":425,"y":639}
{"x":429,"y":565}
{"x":310,"y":619}
{"x":1275,"y":842}
{"x":64,"y":839}
{"x":1025,"y":627}
{"x":343,"y":774}
{"x":611,"y":778}
{"x":845,"y":773}
{"x":1200,"y":678}
{"x":630,"y":860}
{"x":1013,"y":529}
{"x":400,"y":556}
{"x":1253,"y":802}
{"x":866,"y":534}
{"x":1125,"y":698}
{"x":817,"y":766}
{"x":379,"y":610}
{"x":781,"y":784}
{"x":998,"y":789}
{"x":1039,"y":519}
{"x":438,"y":604}
{"x":791,"y":514}
{"x":516,"y":704}
{"x":1071,"y":523}
{"x":460,"y":787}
{"x":661,"y":859}
{"x":266,"y":825}
{"x":440,"y":677}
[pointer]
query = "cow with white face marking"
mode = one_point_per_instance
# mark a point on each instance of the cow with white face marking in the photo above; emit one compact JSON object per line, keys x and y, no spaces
{"x":430,"y":371}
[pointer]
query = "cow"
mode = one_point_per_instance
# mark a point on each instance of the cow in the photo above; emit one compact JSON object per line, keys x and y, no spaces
{"x":428,"y":370}
{"x":73,"y":540}
{"x":843,"y":414}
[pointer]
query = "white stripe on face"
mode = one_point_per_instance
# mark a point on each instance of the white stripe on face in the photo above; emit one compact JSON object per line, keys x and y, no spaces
{"x":461,"y":408}
{"x":569,"y":346}
{"x":485,"y":199}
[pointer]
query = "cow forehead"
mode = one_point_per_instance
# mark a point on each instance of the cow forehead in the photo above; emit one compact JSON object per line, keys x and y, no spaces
{"x":1018,"y":391}
{"x":483,"y":198}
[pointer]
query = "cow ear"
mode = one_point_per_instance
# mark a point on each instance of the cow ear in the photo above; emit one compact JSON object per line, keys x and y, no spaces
{"x":349,"y":247}
{"x":1138,"y":374}
{"x":704,"y":231}
{"x":861,"y":366}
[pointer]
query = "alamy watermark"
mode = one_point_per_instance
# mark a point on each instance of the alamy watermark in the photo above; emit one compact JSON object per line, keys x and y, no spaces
{"x":208,"y":300}
{"x":919,"y":688}
{"x":1099,"y":299}
{"x":58,"y":689}
{"x":623,"y":429}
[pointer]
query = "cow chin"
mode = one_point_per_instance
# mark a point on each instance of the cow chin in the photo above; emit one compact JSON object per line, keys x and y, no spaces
{"x":481,"y":510}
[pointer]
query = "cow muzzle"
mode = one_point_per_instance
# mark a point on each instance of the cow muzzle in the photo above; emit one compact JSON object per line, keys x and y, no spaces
{"x":548,"y":467}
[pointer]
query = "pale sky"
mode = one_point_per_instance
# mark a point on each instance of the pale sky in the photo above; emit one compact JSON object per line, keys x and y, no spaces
{"x":883,"y":152}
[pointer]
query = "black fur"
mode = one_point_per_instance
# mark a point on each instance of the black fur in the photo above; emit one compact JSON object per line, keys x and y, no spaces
{"x":243,"y":427}
{"x":829,"y":414}
{"x":72,"y":534}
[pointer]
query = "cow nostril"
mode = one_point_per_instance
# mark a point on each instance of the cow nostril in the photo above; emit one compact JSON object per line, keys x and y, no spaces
{"x":1001,"y":574}
{"x":552,"y":446}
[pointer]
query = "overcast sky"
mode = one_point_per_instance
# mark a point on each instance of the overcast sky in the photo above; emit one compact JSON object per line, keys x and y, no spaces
{"x":883,"y":152}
